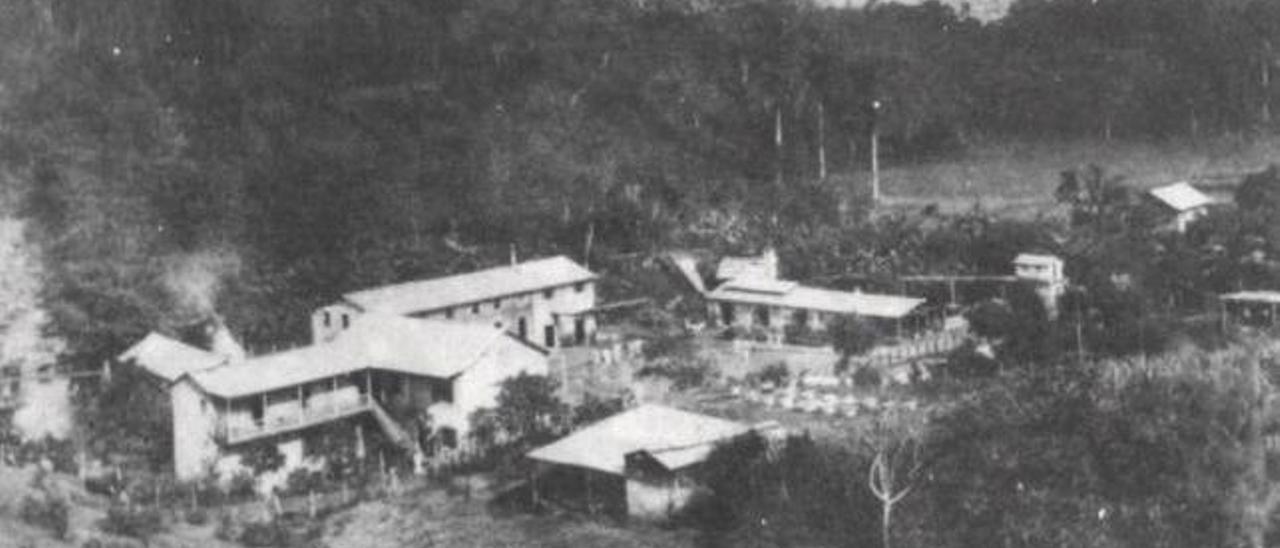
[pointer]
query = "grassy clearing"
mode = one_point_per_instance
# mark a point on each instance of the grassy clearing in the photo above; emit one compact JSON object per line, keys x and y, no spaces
{"x":1019,"y":177}
{"x":435,"y":518}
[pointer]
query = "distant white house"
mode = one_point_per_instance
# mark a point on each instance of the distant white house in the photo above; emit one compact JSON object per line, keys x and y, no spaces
{"x":445,"y":370}
{"x":548,"y":302}
{"x":1047,"y":273}
{"x":761,"y":267}
{"x":774,"y":304}
{"x":1184,"y":203}
{"x":643,"y":462}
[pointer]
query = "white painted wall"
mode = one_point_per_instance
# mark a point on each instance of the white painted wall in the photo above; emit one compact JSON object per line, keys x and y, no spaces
{"x":46,"y":408}
{"x":194,"y":423}
{"x":478,"y":386}
{"x":658,"y":499}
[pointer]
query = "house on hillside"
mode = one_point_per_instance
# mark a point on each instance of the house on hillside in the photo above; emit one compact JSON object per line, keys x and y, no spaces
{"x":1182,"y":204}
{"x":437,"y":370}
{"x":548,"y":302}
{"x":1046,"y":273}
{"x":761,"y":267}
{"x":643,"y":463}
{"x":775,"y":304}
{"x":1257,"y":309}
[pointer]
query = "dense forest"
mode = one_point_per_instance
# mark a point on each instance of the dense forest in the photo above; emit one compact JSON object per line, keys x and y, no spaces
{"x":256,"y":158}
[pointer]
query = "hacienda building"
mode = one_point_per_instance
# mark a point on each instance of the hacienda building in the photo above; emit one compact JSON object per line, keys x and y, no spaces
{"x":439,"y":371}
{"x":549,"y":302}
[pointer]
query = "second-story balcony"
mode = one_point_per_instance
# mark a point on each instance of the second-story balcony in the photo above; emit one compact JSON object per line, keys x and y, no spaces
{"x":291,"y":416}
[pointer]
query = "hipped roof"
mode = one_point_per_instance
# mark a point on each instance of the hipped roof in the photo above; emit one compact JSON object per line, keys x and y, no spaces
{"x":674,"y":438}
{"x":169,"y":358}
{"x":412,"y":346}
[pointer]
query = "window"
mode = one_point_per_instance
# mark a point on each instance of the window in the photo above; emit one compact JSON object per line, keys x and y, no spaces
{"x":475,"y":308}
{"x":578,"y":287}
{"x":497,"y":303}
{"x":523,"y":328}
{"x":549,"y":336}
{"x":762,"y":316}
{"x":548,"y":293}
{"x":448,"y":313}
{"x":326,"y":318}
{"x":346,"y":321}
{"x":442,"y":391}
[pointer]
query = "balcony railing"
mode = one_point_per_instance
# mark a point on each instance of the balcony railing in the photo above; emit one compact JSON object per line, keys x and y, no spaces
{"x":304,"y":418}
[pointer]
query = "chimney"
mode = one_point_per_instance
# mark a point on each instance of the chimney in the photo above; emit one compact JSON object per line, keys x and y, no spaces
{"x":222,"y":343}
{"x":770,"y":259}
{"x":512,"y":248}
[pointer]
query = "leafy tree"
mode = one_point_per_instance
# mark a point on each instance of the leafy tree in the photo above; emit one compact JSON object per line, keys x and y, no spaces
{"x":262,"y":457}
{"x":528,"y":407}
{"x":852,"y":335}
{"x":129,"y":416}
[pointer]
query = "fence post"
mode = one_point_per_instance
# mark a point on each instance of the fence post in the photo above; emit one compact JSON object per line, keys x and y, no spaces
{"x":311,"y":503}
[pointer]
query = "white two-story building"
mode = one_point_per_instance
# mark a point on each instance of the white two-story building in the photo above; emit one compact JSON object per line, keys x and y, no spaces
{"x":548,"y":302}
{"x":380,"y":366}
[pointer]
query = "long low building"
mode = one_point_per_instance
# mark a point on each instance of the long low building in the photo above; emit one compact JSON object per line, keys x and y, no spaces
{"x":774,"y":304}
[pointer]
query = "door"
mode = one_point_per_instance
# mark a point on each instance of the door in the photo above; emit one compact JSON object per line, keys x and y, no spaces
{"x":726,"y":313}
{"x":522,"y":328}
{"x":580,"y":330}
{"x":549,"y":336}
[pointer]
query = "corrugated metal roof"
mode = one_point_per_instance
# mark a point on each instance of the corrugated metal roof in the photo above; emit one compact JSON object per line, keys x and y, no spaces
{"x":1181,"y":196}
{"x":757,"y":285}
{"x":1035,"y":259}
{"x":414,"y":346}
{"x":1267,"y":297}
{"x":675,"y":438}
{"x":824,"y":300}
{"x":169,"y":358}
{"x":471,"y":287}
{"x":762,"y":267}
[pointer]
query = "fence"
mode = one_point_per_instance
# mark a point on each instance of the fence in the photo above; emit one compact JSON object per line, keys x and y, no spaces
{"x":933,"y":345}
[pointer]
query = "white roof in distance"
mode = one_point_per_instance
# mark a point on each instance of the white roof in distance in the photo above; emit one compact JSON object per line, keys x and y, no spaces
{"x":823,"y":300}
{"x":470,"y":287}
{"x":1257,"y":296}
{"x":414,"y":346}
{"x":759,"y":285}
{"x":675,"y":438}
{"x":1035,"y":259}
{"x":169,"y":358}
{"x":1181,"y":196}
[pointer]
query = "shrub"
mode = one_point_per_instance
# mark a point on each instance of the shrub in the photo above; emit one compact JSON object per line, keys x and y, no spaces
{"x":683,"y":374}
{"x":302,"y":481}
{"x":51,"y":514}
{"x":263,"y":533}
{"x":139,"y":522}
{"x":198,"y":517}
{"x":242,"y":486}
{"x":228,"y":529}
{"x":866,"y":376}
{"x":775,"y":373}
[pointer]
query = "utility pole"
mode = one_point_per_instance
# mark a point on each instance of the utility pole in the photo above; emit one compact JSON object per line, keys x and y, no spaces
{"x":875,"y":152}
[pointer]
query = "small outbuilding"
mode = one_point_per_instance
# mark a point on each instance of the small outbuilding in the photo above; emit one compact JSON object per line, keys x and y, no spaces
{"x":1184,"y":202}
{"x":1250,"y":308}
{"x":643,"y":462}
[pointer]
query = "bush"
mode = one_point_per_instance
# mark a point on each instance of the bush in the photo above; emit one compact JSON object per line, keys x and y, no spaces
{"x":263,"y":533}
{"x":228,"y":530}
{"x":775,"y":373}
{"x":138,"y":523}
{"x":302,"y":481}
{"x":198,"y":517}
{"x":242,"y":486}
{"x":683,"y":374}
{"x":866,"y":376}
{"x":51,"y":514}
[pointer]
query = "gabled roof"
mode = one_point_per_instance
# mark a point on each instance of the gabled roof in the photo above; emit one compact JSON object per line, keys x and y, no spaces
{"x":823,"y":300}
{"x":471,"y":287}
{"x":746,"y":267}
{"x":432,"y":348}
{"x":1256,"y":296}
{"x":1035,"y":259}
{"x":1181,"y":196}
{"x":757,"y":285}
{"x":673,"y":437}
{"x":169,"y":358}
